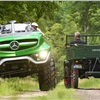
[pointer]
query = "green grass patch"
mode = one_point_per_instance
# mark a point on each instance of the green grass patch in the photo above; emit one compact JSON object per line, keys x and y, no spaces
{"x":13,"y":86}
{"x":89,"y":83}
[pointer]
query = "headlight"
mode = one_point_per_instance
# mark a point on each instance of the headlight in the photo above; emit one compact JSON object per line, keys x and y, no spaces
{"x":43,"y":54}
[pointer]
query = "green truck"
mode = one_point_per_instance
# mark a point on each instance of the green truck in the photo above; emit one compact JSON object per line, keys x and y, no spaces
{"x":24,"y":52}
{"x":82,"y":61}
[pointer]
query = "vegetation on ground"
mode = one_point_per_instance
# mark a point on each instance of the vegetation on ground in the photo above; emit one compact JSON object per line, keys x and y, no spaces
{"x":14,"y":86}
{"x":59,"y":93}
{"x":89,"y":83}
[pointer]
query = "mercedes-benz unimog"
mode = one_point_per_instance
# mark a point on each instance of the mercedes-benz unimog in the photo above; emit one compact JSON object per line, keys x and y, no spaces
{"x":24,"y":52}
{"x":82,"y":61}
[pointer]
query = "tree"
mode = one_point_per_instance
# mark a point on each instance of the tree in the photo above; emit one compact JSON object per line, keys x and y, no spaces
{"x":86,"y":11}
{"x":27,"y":10}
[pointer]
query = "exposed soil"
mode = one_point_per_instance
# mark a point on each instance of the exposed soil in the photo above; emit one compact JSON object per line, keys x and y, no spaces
{"x":25,"y":95}
{"x":88,"y":94}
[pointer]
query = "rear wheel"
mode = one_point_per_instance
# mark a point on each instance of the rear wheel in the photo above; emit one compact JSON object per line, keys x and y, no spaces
{"x":47,"y":76}
{"x":74,"y":78}
{"x":67,"y":77}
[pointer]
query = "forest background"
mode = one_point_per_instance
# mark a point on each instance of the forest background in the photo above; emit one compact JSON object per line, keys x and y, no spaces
{"x":56,"y":19}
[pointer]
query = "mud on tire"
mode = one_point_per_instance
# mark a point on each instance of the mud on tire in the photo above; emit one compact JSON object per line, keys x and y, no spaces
{"x":47,"y":76}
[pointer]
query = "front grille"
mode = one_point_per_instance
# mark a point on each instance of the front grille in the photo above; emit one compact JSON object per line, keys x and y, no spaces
{"x":23,"y":44}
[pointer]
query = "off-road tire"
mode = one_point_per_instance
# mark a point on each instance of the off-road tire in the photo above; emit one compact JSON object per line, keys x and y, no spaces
{"x":47,"y":76}
{"x":74,"y":78}
{"x":67,"y":76}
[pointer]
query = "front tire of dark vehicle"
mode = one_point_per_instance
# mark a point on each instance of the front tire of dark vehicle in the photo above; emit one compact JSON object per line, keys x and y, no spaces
{"x":47,"y":76}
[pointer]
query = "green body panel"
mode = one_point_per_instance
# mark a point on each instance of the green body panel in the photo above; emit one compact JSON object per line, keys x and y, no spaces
{"x":32,"y":47}
{"x":83,"y":52}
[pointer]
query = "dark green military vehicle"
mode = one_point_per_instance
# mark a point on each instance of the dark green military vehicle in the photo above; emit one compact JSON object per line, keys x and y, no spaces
{"x":24,"y":52}
{"x":82,"y":61}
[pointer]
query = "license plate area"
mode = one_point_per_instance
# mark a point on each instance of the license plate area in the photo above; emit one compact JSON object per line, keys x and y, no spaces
{"x":78,"y":66}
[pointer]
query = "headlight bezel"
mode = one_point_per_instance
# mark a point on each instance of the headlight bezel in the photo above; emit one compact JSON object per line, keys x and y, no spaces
{"x":40,"y":56}
{"x":43,"y":54}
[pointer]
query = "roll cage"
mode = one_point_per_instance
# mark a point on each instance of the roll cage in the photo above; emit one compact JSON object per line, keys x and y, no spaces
{"x":90,"y":39}
{"x":15,"y":27}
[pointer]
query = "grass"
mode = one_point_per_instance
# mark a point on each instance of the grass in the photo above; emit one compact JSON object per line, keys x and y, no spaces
{"x":61,"y":93}
{"x":89,"y":83}
{"x":14,"y":86}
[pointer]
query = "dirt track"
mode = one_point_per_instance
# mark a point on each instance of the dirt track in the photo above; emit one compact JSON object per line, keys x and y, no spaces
{"x":25,"y":95}
{"x":88,"y":94}
{"x":82,"y":94}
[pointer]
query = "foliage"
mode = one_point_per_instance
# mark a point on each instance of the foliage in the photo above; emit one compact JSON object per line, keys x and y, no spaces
{"x":26,"y":10}
{"x":88,"y":13}
{"x":72,"y":16}
{"x":55,"y":19}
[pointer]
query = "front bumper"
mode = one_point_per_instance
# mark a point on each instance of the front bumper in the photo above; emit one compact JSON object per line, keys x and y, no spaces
{"x":25,"y":58}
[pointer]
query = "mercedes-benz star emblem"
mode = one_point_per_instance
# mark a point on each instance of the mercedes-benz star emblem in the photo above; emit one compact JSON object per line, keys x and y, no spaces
{"x":14,"y":45}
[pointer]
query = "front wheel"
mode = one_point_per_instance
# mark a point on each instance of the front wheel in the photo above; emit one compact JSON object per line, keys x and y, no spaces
{"x":47,"y":76}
